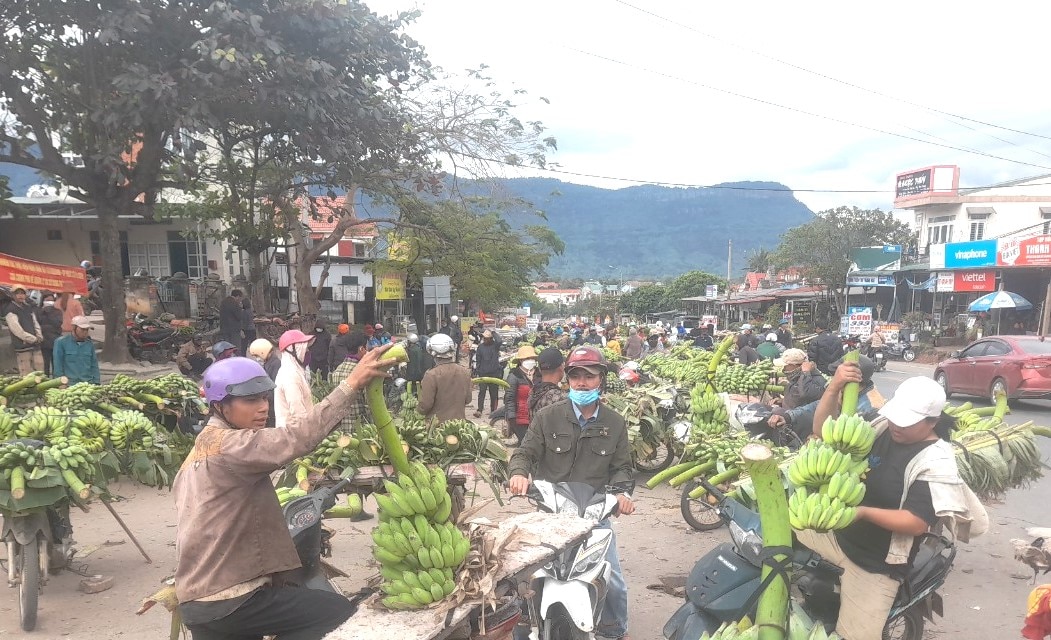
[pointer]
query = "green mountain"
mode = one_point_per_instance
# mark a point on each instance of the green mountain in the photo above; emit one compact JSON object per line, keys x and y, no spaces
{"x":653,"y":232}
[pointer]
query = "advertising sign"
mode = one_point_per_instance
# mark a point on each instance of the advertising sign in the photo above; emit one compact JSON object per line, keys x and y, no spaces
{"x":937,"y":256}
{"x":946,"y":282}
{"x":984,"y":280}
{"x":30,"y":274}
{"x":929,"y":181}
{"x":803,"y":312}
{"x":390,"y":285}
{"x":874,"y":259}
{"x":891,"y":331}
{"x":859,"y":322}
{"x":870,"y":281}
{"x":436,"y":290}
{"x":913,"y":183}
{"x":711,"y":291}
{"x":1024,"y":252}
{"x":710,"y":320}
{"x":980,"y":253}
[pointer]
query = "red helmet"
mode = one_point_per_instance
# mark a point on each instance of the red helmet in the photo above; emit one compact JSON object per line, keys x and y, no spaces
{"x":291,"y":337}
{"x":586,"y":357}
{"x":629,"y":375}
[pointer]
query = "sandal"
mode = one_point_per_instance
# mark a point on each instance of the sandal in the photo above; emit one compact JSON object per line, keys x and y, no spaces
{"x":478,"y":414}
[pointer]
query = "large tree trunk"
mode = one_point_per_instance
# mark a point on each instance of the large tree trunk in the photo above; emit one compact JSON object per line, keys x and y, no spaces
{"x":258,"y":281}
{"x":114,"y":310}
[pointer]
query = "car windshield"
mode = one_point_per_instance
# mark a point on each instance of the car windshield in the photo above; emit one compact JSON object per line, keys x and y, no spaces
{"x":1035,"y":347}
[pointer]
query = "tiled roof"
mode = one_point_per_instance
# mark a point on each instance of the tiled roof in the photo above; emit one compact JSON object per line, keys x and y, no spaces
{"x":332,"y":207}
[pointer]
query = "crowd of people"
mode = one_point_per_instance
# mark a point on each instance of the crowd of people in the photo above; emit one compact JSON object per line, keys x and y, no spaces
{"x":53,"y":338}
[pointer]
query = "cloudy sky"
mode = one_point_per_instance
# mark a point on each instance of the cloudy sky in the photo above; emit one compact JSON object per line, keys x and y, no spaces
{"x":647,"y":94}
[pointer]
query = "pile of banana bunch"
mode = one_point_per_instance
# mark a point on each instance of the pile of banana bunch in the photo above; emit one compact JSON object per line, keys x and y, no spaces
{"x":132,"y":430}
{"x":736,"y":378}
{"x":798,"y":629}
{"x":707,"y":412}
{"x":969,"y":418}
{"x":18,"y":389}
{"x":77,"y":396}
{"x":827,"y":474}
{"x":683,"y":365}
{"x":57,"y":465}
{"x":417,"y":546}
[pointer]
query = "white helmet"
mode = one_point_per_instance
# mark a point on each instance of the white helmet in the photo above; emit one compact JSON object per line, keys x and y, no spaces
{"x":454,"y":318}
{"x":771,"y":337}
{"x":260,"y":349}
{"x":412,"y":338}
{"x":440,"y":346}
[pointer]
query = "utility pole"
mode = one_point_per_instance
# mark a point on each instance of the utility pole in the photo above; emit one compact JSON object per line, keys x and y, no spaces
{"x":729,"y":260}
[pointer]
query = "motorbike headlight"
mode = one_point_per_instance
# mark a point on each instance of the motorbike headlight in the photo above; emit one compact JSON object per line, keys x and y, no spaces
{"x":590,"y":554}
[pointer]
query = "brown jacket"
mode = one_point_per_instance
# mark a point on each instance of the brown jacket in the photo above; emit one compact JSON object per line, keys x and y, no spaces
{"x":554,"y":449}
{"x":444,"y":391}
{"x":231,"y":528}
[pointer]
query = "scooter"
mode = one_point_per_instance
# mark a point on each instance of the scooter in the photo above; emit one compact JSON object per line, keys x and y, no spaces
{"x":570,"y":590}
{"x":148,"y":341}
{"x":901,"y":350}
{"x":312,"y":541}
{"x":725,"y":584}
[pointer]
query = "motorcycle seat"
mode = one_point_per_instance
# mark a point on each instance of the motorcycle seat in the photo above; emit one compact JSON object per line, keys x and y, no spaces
{"x":156,"y":335}
{"x":929,"y":567}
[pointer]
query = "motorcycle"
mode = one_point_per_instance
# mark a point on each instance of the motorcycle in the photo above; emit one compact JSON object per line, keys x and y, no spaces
{"x":901,"y":350}
{"x":150,"y":341}
{"x":569,"y":591}
{"x":312,"y":541}
{"x":725,"y":584}
{"x":34,"y":539}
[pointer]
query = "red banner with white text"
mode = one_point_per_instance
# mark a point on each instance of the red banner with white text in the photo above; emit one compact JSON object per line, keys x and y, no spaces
{"x":30,"y":274}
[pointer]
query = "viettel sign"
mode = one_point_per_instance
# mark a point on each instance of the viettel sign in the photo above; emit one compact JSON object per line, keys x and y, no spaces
{"x":984,"y":280}
{"x":1025,"y":252}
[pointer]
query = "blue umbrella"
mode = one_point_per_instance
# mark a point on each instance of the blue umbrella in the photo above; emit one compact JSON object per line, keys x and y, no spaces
{"x":1000,"y":300}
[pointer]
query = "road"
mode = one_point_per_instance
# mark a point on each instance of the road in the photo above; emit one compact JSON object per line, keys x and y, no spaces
{"x":984,"y":597}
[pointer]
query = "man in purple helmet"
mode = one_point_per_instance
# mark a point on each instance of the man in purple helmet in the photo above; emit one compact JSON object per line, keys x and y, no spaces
{"x":233,"y":543}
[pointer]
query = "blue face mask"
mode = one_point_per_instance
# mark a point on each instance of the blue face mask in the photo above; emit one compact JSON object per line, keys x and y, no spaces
{"x":583,"y":398}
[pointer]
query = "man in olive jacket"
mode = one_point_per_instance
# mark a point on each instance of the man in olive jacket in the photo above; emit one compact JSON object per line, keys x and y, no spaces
{"x":579,"y":440}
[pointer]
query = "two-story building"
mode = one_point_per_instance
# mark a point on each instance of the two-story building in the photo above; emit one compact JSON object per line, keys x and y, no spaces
{"x":978,"y":240}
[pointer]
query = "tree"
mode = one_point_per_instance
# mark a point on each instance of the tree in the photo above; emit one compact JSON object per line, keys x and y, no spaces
{"x":126,"y":85}
{"x":646,"y":299}
{"x":690,"y":285}
{"x":759,"y":260}
{"x":822,"y":247}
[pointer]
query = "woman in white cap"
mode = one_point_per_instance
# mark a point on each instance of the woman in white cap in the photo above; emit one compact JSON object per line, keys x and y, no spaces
{"x":913,"y":485}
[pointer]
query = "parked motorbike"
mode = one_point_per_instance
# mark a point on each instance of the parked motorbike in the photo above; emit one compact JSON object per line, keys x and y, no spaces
{"x":901,"y":350}
{"x":149,"y":341}
{"x":33,"y":538}
{"x":569,"y":592}
{"x":312,"y":541}
{"x":724,"y":585}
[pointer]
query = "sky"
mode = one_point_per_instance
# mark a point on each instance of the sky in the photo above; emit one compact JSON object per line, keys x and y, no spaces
{"x":642,"y":90}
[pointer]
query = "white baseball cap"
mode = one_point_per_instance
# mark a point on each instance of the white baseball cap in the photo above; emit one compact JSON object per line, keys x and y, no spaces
{"x":915,"y":400}
{"x":745,"y":327}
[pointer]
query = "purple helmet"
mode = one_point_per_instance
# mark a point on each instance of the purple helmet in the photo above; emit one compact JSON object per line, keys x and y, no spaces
{"x":237,"y":377}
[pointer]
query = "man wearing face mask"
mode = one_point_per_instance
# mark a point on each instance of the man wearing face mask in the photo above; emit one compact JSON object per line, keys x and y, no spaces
{"x":49,"y":317}
{"x":579,"y":441}
{"x":292,"y":397}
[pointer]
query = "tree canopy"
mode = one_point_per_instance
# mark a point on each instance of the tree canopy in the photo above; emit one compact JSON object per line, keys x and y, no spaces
{"x":822,"y":247}
{"x":656,"y":298}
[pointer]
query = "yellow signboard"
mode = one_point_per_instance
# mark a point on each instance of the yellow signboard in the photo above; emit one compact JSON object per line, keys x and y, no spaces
{"x":390,"y":285}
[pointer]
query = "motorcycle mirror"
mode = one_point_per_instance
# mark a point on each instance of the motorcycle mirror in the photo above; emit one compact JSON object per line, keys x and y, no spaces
{"x":954,"y":354}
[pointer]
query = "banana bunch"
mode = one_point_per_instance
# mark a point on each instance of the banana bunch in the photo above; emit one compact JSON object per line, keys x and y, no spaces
{"x":173,"y":385}
{"x":418,"y":548}
{"x":337,"y":450}
{"x":707,"y":411}
{"x":849,"y":434}
{"x":816,"y":463}
{"x":89,"y":429}
{"x":286,"y":494}
{"x":77,"y":396}
{"x":19,"y":454}
{"x":683,"y":365}
{"x":735,"y":378}
{"x":42,"y":423}
{"x":743,"y":630}
{"x":818,"y":511}
{"x":802,"y":627}
{"x":614,"y":384}
{"x":7,"y":424}
{"x":846,"y":487}
{"x":67,"y":454}
{"x":131,"y":430}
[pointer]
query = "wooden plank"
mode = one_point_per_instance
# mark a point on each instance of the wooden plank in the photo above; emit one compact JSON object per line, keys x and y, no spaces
{"x":560,"y":531}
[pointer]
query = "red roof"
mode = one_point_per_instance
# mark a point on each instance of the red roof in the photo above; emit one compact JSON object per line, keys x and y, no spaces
{"x":321,"y":224}
{"x":542,"y":292}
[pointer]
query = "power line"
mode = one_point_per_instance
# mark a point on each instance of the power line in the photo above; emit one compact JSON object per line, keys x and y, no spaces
{"x":845,"y":82}
{"x":803,"y":111}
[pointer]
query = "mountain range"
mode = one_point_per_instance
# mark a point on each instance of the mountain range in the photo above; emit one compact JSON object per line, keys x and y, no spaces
{"x":654,"y":232}
{"x":642,"y":232}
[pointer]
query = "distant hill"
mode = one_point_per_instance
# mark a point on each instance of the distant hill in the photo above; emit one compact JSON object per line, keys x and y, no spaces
{"x":650,"y":231}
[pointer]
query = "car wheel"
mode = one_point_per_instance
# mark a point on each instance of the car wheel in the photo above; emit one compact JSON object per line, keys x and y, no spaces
{"x":944,"y":382}
{"x":998,"y":386}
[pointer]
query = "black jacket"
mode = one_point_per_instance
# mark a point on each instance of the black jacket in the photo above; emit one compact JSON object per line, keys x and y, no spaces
{"x":50,"y":319}
{"x":417,"y":367}
{"x":487,"y":361}
{"x":784,"y":336}
{"x":340,"y":349}
{"x":516,"y":378}
{"x":452,"y":329}
{"x":824,"y":349}
{"x":230,"y":314}
{"x":320,"y":351}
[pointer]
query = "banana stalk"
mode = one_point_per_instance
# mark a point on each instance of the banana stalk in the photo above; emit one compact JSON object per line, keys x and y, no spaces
{"x":713,"y":364}
{"x":718,"y":479}
{"x":1001,"y":406}
{"x":851,"y":391}
{"x":385,"y":428}
{"x":27,"y":382}
{"x":53,"y":383}
{"x":692,"y":473}
{"x":772,"y":613}
{"x":497,"y":381}
{"x":18,"y":483}
{"x":668,"y":473}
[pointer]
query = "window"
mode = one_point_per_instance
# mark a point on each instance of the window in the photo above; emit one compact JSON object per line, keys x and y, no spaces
{"x":974,"y":350}
{"x":977,"y":230}
{"x":54,"y":234}
{"x":939,"y":229}
{"x":151,"y":256}
{"x":997,"y":348}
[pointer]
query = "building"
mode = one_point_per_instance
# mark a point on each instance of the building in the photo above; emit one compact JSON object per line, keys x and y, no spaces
{"x":977,"y":240}
{"x":567,"y":297}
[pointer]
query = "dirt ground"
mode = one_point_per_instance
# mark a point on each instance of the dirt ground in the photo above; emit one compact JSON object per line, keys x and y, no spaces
{"x":985,"y":597}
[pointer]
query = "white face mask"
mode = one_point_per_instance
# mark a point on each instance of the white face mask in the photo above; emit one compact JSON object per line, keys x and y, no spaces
{"x":528,"y":365}
{"x":49,"y":303}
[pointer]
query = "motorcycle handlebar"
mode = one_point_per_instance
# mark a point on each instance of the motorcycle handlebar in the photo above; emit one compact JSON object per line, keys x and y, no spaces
{"x":712,"y":489}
